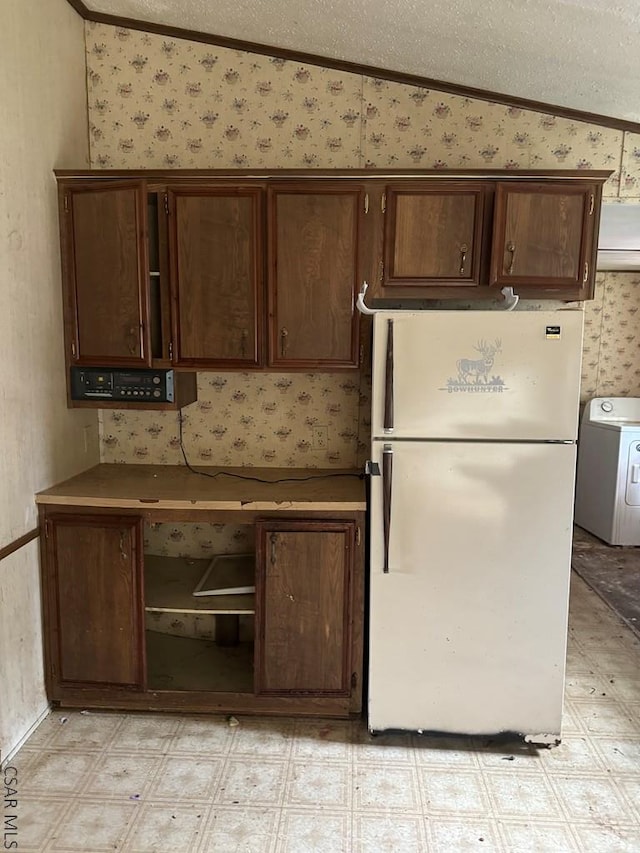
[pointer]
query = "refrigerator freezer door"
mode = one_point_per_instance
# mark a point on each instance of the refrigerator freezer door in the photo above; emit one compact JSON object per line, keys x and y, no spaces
{"x":468,"y":627}
{"x":477,"y":375}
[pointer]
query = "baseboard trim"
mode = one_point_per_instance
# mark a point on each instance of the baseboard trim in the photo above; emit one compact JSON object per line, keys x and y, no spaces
{"x":15,"y":749}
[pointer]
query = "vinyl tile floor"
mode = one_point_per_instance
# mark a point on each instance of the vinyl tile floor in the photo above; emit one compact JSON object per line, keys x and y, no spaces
{"x":98,"y":782}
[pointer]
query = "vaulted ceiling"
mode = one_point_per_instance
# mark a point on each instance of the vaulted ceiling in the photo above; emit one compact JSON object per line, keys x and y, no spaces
{"x":578,"y":54}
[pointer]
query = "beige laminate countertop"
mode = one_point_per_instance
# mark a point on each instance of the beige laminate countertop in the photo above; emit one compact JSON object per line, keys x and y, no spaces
{"x":178,"y":487}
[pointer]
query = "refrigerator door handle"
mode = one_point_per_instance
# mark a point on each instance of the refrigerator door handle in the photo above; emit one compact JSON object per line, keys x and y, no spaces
{"x":387,"y":473}
{"x":388,"y":381}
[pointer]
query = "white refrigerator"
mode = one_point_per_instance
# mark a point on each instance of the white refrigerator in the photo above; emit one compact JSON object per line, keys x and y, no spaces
{"x":474,"y":424}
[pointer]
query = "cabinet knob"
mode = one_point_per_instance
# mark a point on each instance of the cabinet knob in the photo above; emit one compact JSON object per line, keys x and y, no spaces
{"x":511,"y":248}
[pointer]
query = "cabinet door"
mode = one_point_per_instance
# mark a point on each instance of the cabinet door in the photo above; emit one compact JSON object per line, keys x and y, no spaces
{"x":544,"y":236}
{"x":105,"y":272}
{"x":313,"y":274}
{"x":433,"y":235}
{"x":215,"y":241}
{"x":303,"y":607}
{"x":93,"y":578}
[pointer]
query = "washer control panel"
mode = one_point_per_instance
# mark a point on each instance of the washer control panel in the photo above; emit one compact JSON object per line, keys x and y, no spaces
{"x":126,"y":386}
{"x":624,"y":411}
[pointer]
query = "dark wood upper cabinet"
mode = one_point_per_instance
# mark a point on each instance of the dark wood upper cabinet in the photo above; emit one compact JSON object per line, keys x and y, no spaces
{"x":105,"y":268}
{"x":313,"y":274}
{"x":262,"y":271}
{"x":544,"y":237}
{"x":303,"y":607}
{"x":433,"y":235}
{"x":95,"y":611}
{"x":216,"y":261}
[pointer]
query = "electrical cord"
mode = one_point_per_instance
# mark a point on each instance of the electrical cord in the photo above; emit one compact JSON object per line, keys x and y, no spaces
{"x":325,"y":476}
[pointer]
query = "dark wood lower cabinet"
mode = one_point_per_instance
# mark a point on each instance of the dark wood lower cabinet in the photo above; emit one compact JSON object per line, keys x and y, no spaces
{"x":93,"y":595}
{"x":307,"y":655}
{"x":303,"y":607}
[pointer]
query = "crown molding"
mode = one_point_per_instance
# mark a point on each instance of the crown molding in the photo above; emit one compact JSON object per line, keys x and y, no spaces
{"x":354,"y":68}
{"x":81,"y":9}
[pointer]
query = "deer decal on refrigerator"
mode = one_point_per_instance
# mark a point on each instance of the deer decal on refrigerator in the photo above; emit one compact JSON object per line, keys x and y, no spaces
{"x":476,"y":374}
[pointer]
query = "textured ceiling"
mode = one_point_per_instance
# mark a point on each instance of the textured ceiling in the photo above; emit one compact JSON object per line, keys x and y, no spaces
{"x":581,"y":54}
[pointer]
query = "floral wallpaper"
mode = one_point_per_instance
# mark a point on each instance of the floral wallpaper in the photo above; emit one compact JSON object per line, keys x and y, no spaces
{"x":164,"y":103}
{"x":310,"y":420}
{"x":198,"y":541}
{"x":157,"y":102}
{"x":630,"y":171}
{"x":410,"y":127}
{"x":611,"y":350}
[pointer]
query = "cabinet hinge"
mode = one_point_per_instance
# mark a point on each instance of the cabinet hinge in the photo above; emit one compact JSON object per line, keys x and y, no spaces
{"x":66,"y":202}
{"x":358,"y":536}
{"x":166,"y":203}
{"x":586,"y":272}
{"x":592,"y":204}
{"x":73,"y":349}
{"x":381,"y":271}
{"x":171,"y":350}
{"x":46,"y":528}
{"x":383,"y":202}
{"x":366,"y":202}
{"x":354,"y":679}
{"x":361,"y":357}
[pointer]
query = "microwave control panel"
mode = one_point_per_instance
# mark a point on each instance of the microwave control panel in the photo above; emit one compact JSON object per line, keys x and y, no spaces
{"x":130,"y":386}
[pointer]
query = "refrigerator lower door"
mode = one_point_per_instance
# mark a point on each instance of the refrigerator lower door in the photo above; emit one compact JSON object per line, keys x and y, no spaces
{"x":468,"y":626}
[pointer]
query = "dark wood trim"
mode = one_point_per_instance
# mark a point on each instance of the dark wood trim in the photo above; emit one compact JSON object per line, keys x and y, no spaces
{"x":81,"y":9}
{"x":354,"y":68}
{"x":201,"y":702}
{"x":18,"y":543}
{"x":159,"y":178}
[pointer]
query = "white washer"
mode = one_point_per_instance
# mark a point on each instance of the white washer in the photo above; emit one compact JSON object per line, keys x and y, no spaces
{"x":608,"y":480}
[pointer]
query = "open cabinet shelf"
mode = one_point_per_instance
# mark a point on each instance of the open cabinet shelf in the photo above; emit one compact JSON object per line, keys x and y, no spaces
{"x":218,"y":662}
{"x":170,"y":582}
